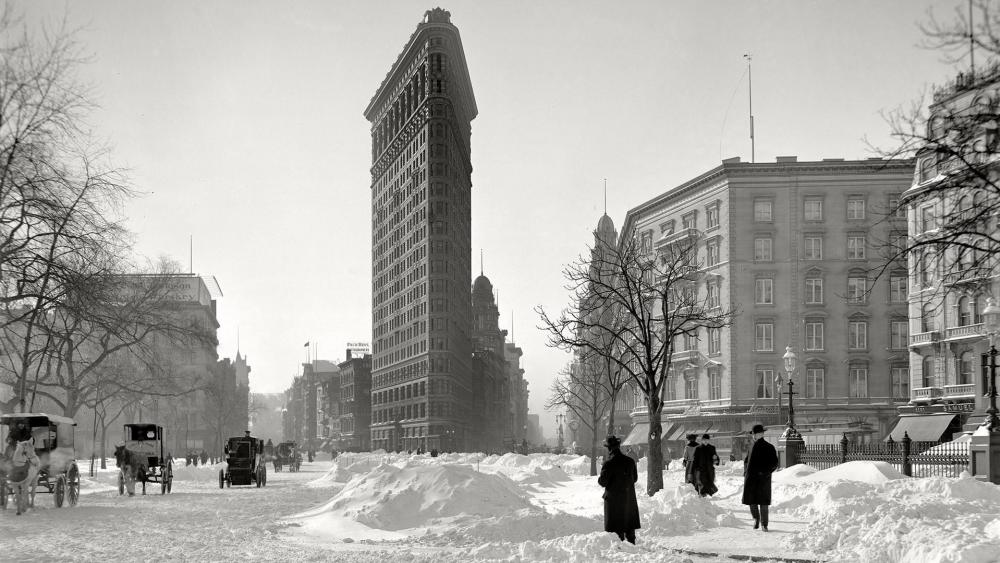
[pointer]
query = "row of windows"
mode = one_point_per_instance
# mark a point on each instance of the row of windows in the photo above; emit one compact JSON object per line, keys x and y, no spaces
{"x":812,"y":247}
{"x":768,"y":382}
{"x":812,"y":208}
{"x":815,"y":335}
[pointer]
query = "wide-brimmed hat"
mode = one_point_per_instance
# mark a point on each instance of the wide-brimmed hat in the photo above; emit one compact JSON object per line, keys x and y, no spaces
{"x":706,"y":437}
{"x":612,"y":442}
{"x":692,"y":437}
{"x":757,"y":429}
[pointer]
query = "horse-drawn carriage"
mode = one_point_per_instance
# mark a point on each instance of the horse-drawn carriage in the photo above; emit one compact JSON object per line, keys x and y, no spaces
{"x":142,"y":458}
{"x":244,"y":462}
{"x":286,"y":454}
{"x":38,"y":452}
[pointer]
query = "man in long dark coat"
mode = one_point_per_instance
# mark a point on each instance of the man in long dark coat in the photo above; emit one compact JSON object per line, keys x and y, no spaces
{"x":705,"y":460}
{"x":618,"y":477}
{"x":760,"y":462}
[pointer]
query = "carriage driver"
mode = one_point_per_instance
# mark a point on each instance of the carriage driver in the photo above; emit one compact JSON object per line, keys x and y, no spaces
{"x":19,"y":433}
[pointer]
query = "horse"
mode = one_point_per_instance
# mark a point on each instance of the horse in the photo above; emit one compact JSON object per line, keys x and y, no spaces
{"x":132,"y":467}
{"x":22,"y":474}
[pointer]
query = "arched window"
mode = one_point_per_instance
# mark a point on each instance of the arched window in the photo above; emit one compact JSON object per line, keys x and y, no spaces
{"x":927,"y":318}
{"x":965,"y":368}
{"x":927,"y":372}
{"x":964,"y":312}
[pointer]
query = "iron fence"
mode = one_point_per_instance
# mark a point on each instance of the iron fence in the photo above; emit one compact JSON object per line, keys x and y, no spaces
{"x":914,"y":459}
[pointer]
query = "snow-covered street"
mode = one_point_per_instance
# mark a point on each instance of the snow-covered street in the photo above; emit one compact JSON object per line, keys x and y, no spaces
{"x":471,"y":507}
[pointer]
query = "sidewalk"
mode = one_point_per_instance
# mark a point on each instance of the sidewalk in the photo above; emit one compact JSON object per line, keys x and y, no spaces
{"x":743,"y":543}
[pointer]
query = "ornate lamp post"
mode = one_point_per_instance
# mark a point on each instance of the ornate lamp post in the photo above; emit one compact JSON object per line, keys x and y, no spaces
{"x":991,"y":318}
{"x":790,"y":362}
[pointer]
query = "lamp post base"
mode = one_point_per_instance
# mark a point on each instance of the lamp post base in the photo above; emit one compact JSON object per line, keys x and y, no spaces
{"x":984,"y":456}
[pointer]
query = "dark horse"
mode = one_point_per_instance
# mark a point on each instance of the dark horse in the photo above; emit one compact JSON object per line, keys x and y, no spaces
{"x":132,"y":467}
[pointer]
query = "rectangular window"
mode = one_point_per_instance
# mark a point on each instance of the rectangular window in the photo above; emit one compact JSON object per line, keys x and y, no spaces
{"x":856,"y":208}
{"x":690,"y":342}
{"x":713,"y":252}
{"x":667,"y":228}
{"x":856,"y":247}
{"x":762,"y":210}
{"x":764,"y":291}
{"x":813,"y":209}
{"x":858,"y":382}
{"x":900,"y":382}
{"x":762,"y":249}
{"x":897,"y":288}
{"x":765,"y":383}
{"x":814,"y":335}
{"x":857,"y":335}
{"x":714,"y":341}
{"x":712,"y":216}
{"x":857,"y":288}
{"x":813,"y":248}
{"x":689,"y":221}
{"x":899,"y":335}
{"x":927,"y":220}
{"x":714,"y":384}
{"x":764,"y":337}
{"x":896,"y":211}
{"x":691,"y":388}
{"x":671,"y":388}
{"x":714,"y":291}
{"x":814,"y":290}
{"x":815,"y":383}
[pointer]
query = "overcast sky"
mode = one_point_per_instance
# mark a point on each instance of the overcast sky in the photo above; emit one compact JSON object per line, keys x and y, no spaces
{"x":241,"y":123}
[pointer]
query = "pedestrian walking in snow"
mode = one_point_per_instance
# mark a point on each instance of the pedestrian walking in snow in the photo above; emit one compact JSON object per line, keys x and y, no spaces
{"x":705,"y":460}
{"x":618,"y":477}
{"x":760,"y":462}
{"x":692,"y":444}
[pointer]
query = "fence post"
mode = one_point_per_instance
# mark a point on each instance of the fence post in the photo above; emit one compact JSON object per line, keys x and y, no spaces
{"x":843,"y":448}
{"x":907,"y":468}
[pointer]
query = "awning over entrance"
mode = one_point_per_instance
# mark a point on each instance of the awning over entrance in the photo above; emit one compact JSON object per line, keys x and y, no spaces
{"x":638,"y":435}
{"x":925,"y":428}
{"x":680,"y":431}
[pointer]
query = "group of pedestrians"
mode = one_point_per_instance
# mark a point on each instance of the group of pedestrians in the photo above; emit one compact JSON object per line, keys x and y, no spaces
{"x":619,"y":475}
{"x":700,"y":460}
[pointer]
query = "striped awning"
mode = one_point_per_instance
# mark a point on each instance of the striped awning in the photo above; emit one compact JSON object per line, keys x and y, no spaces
{"x":923,"y":428}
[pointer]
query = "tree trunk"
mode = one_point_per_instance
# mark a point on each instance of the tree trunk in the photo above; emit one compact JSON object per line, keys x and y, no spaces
{"x":104,"y":441}
{"x":654,"y":475}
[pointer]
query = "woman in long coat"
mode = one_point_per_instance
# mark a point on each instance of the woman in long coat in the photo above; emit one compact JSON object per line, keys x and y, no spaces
{"x":760,"y":462}
{"x":705,"y":460}
{"x":689,"y":449}
{"x":618,"y":477}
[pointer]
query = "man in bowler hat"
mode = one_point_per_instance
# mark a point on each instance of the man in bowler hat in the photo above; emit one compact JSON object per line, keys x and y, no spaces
{"x":760,"y":462}
{"x":618,"y":477}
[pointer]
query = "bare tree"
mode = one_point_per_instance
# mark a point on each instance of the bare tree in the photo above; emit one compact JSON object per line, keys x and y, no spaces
{"x":644,"y":301}
{"x":953,"y":138}
{"x":59,"y":198}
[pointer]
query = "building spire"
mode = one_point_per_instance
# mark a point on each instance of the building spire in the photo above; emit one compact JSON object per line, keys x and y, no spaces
{"x":605,"y":196}
{"x":480,"y":261}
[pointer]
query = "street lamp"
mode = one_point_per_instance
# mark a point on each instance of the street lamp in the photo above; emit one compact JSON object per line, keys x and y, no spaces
{"x":790,"y":361}
{"x":560,"y":418}
{"x":991,"y":318}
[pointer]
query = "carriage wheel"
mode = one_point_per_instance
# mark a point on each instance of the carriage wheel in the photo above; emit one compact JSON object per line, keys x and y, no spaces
{"x":163,"y":480}
{"x":170,"y":476}
{"x":60,"y":490}
{"x":222,"y":478}
{"x":4,"y":491}
{"x":121,"y":482}
{"x":264,"y":475}
{"x":73,"y":485}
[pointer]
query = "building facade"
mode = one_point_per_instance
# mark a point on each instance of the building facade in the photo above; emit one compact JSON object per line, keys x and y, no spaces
{"x":421,"y":183}
{"x":950,"y":209}
{"x":793,"y":247}
{"x":354,"y":425}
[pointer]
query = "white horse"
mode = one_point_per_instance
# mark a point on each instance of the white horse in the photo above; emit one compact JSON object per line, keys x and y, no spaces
{"x":23,"y":474}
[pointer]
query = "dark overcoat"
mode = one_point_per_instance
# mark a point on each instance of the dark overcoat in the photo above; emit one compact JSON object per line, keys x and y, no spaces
{"x":705,"y":460}
{"x":760,"y":462}
{"x":618,"y":477}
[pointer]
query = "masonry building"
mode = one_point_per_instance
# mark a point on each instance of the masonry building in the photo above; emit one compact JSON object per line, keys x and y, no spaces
{"x":421,"y":182}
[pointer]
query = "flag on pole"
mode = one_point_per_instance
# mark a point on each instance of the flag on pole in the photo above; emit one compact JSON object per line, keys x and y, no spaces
{"x":306,"y":345}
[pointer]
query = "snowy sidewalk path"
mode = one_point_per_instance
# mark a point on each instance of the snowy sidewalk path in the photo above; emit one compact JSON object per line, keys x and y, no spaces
{"x":743,"y":542}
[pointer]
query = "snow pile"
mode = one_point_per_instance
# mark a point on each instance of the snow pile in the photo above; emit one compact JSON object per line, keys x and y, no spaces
{"x":678,"y":509}
{"x":867,"y":512}
{"x":410,"y":495}
{"x":528,"y":524}
{"x":573,"y":464}
{"x":536,"y":469}
{"x":577,"y":548}
{"x":348,"y":466}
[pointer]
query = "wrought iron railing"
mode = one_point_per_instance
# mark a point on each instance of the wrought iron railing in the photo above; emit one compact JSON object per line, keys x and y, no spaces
{"x":914,"y":459}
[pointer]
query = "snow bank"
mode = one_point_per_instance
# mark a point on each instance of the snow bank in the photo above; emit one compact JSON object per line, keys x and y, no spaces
{"x":869,"y":513}
{"x":678,"y":509}
{"x":198,"y":472}
{"x":411,"y":495}
{"x":577,"y":548}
